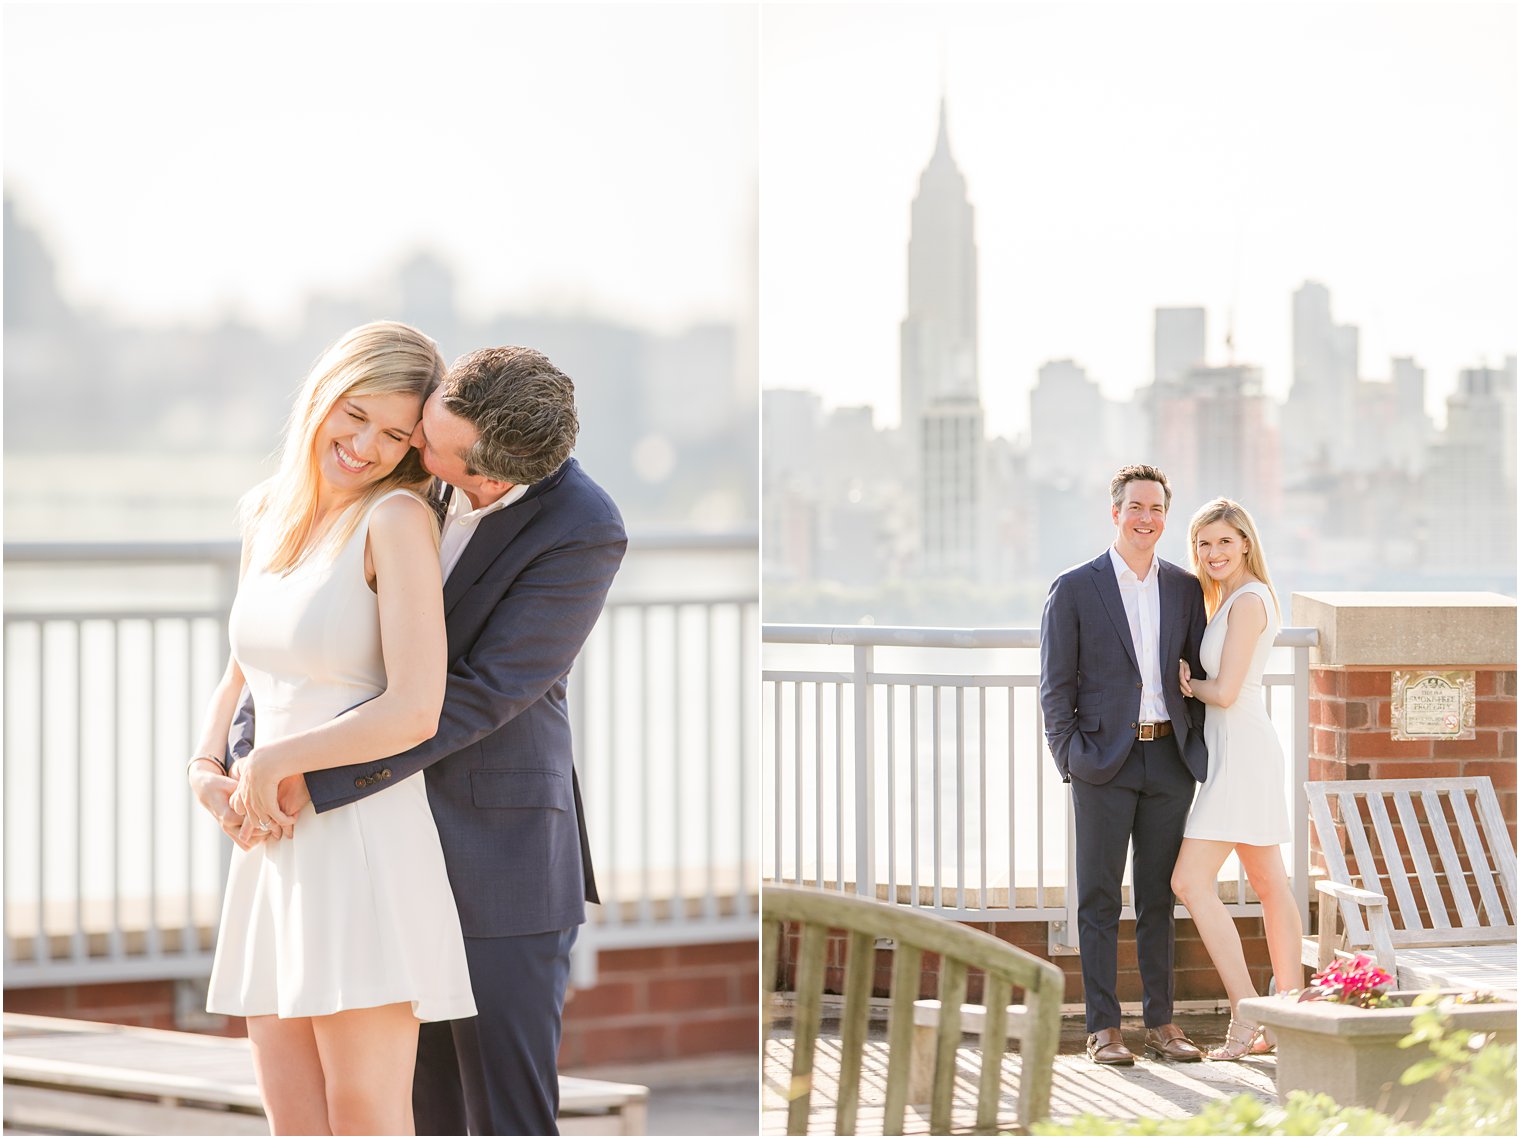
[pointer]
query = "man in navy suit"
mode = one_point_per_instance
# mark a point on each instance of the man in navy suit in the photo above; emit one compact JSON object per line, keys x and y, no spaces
{"x":1131,"y":746}
{"x":530,"y":546}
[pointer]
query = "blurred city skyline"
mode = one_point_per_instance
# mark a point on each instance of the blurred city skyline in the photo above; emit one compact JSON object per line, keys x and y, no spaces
{"x":197,"y":163}
{"x":1121,"y":158}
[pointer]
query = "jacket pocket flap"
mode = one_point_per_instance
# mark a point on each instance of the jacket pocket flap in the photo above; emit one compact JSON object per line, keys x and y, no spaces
{"x":541,"y":790}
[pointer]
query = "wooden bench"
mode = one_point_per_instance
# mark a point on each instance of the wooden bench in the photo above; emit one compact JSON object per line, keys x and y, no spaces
{"x":1432,"y":921}
{"x":913,"y":934}
{"x":83,"y":1077}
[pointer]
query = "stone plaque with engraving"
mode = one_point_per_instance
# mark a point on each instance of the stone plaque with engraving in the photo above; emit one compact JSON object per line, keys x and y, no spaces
{"x":1433,"y":705}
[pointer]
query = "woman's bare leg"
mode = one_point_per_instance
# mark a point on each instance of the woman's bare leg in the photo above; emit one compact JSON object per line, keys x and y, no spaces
{"x":1195,"y":882}
{"x":368,"y":1056}
{"x":289,"y":1071}
{"x":1279,"y":913}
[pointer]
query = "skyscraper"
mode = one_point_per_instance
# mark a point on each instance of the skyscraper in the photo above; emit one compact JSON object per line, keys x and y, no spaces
{"x":952,"y":489}
{"x":939,"y":344}
{"x":1322,"y":400}
{"x":1469,"y":484}
{"x":1180,"y":342}
{"x":941,"y":397}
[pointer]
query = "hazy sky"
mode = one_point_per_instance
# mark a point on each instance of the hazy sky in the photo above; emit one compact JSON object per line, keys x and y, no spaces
{"x":1121,"y":157}
{"x":190,"y":160}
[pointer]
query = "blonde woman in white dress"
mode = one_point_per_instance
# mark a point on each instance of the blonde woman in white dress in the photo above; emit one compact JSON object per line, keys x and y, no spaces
{"x":339,"y":932}
{"x":1242,"y":806}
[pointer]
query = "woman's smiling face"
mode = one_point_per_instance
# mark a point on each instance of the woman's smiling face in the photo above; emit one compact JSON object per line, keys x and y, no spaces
{"x":364,"y":437}
{"x":1221,"y":550}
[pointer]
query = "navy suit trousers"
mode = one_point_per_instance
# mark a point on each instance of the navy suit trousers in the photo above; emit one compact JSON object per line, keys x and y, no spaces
{"x":496,"y":1073}
{"x":1146,"y":803}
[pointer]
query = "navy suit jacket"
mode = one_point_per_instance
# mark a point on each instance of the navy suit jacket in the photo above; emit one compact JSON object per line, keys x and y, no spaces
{"x":518,"y":607}
{"x":1090,"y":675}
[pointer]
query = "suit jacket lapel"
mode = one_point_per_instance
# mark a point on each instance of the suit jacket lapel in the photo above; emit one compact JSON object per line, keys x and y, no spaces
{"x":1108,"y":590}
{"x":492,"y":535}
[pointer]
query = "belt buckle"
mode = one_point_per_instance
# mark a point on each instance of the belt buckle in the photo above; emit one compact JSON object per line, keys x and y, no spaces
{"x":1147,"y":733}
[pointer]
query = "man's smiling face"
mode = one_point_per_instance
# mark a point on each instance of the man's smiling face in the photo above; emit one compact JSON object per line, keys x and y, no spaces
{"x":1140,"y":517}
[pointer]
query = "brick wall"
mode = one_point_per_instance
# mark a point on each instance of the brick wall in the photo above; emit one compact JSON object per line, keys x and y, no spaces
{"x":148,"y":1004}
{"x":1196,"y":978}
{"x":648,"y":1004}
{"x":665,"y":1003}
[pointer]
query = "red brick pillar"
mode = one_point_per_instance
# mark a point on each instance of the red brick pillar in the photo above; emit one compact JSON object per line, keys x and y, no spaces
{"x":1364,"y":639}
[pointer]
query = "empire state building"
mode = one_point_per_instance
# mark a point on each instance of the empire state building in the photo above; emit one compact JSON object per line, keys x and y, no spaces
{"x":939,"y":332}
{"x":941,"y":397}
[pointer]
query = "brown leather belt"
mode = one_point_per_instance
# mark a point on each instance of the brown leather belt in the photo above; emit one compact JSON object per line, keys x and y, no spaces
{"x":1156,"y":730}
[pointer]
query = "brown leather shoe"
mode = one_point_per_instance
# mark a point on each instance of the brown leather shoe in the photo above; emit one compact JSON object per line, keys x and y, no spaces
{"x":1168,"y":1042}
{"x":1106,"y":1046}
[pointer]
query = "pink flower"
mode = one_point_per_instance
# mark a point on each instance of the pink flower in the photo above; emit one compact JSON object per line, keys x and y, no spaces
{"x":1357,"y":982}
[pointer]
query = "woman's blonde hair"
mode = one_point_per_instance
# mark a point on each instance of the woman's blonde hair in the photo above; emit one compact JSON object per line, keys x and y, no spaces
{"x":380,"y":358}
{"x":1235,"y":515}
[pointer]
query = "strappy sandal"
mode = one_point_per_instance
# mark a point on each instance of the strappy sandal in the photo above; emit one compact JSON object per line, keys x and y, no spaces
{"x":1239,"y":1041}
{"x":1264,"y":1044}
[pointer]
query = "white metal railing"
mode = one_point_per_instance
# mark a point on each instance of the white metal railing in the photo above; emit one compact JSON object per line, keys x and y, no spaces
{"x":910,"y":764}
{"x":113,"y":873}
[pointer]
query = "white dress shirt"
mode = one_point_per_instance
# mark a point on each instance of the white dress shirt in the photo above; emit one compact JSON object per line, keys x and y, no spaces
{"x":1142,"y":605}
{"x":459,"y":523}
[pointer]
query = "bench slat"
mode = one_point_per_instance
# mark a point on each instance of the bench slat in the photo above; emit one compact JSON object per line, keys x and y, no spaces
{"x":1498,"y":843}
{"x":905,"y":972}
{"x":1394,"y":861}
{"x":1356,"y":830}
{"x":1424,"y":870}
{"x":807,"y":1016}
{"x":1449,"y":860}
{"x":952,"y":995}
{"x":1483,"y":877}
{"x":994,"y":1040}
{"x":859,"y":973}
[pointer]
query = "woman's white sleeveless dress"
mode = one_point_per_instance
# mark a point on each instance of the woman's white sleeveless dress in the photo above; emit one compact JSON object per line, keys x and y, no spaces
{"x":1244,"y":799}
{"x":355,"y":909}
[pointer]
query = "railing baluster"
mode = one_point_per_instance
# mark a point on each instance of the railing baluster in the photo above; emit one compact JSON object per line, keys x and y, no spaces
{"x":798,"y":820}
{"x":960,"y":797}
{"x":710,"y":824}
{"x":190,"y":939}
{"x":818,"y":799}
{"x":44,"y":951}
{"x":80,"y":947}
{"x":865,"y":773}
{"x":1037,"y":723}
{"x":155,"y":934}
{"x":892,"y":793}
{"x":118,"y":939}
{"x":939,"y":899}
{"x":839,"y":787}
{"x":981,"y":799}
{"x":677,"y":784}
{"x":776,"y":776}
{"x":1300,"y":798}
{"x":913,"y":795}
{"x":744,"y":750}
{"x":646,"y":749}
{"x":612,"y":914}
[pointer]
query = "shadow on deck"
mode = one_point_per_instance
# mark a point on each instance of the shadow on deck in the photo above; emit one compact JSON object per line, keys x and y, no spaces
{"x":1148,"y":1089}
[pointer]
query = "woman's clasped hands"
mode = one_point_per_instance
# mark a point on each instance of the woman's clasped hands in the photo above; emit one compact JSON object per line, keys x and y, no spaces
{"x":257,"y":797}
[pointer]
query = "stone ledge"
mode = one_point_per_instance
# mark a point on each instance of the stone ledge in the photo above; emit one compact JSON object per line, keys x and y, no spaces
{"x":1390,"y":630}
